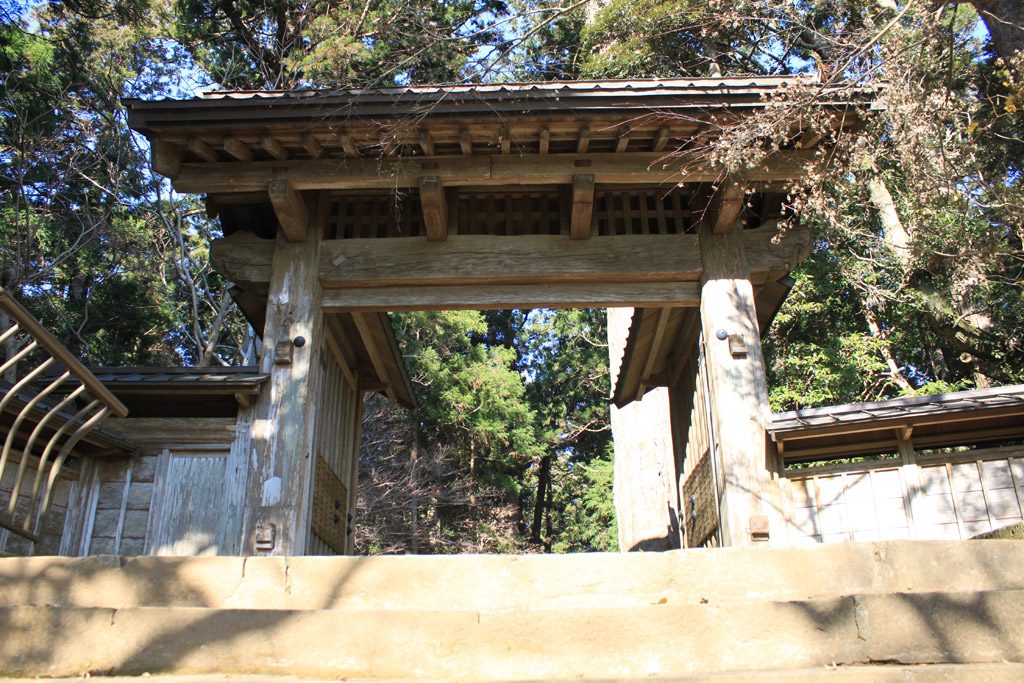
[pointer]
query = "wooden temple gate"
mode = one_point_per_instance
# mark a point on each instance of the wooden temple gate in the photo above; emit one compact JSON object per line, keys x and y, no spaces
{"x":338,"y":207}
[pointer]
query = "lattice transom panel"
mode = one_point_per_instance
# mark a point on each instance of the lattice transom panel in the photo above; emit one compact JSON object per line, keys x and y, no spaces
{"x":643,"y":212}
{"x":519,"y":211}
{"x":511,"y":213}
{"x":375,"y":215}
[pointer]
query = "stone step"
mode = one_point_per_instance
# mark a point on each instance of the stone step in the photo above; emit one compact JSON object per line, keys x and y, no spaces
{"x":661,"y":640}
{"x":478,"y":583}
{"x":927,"y":673}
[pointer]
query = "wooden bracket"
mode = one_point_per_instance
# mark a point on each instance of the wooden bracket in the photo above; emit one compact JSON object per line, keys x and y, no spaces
{"x":759,"y":528}
{"x":238,"y":149}
{"x":283,"y":352}
{"x":737,"y":347}
{"x":427,"y":143}
{"x":290,"y":207}
{"x":582,"y":206}
{"x":435,"y":208}
{"x":726,"y":206}
{"x":165,"y":158}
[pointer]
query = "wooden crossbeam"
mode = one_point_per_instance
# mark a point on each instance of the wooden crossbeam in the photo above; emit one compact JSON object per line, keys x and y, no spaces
{"x":647,"y":168}
{"x":273,"y":147}
{"x":435,"y":208}
{"x":290,"y":207}
{"x":522,"y":260}
{"x":582,"y":206}
{"x":238,"y":149}
{"x":473,"y":297}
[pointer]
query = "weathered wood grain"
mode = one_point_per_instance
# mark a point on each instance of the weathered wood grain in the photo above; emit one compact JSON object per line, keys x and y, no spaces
{"x":487,"y":261}
{"x":353,"y":173}
{"x":555,"y":295}
{"x":737,"y":384}
{"x":290,"y":207}
{"x":280,"y":474}
{"x":582,"y":206}
{"x":526,"y":259}
{"x":435,"y":208}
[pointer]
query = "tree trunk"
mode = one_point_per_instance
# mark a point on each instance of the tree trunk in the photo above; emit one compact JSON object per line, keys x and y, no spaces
{"x":894,"y":234}
{"x":547,"y":508}
{"x":1004,"y":20}
{"x":543,"y":484}
{"x":949,"y":311}
{"x":890,"y":361}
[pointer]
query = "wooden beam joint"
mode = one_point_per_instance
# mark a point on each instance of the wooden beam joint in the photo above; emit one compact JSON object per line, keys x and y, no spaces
{"x":726,"y":207}
{"x":582,"y":206}
{"x":290,"y":207}
{"x":435,"y":208}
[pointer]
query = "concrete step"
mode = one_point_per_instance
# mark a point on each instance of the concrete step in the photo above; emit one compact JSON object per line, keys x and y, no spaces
{"x":542,"y":644}
{"x":479,"y":583}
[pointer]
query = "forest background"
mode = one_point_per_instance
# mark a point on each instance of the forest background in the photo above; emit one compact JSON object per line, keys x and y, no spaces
{"x":914,"y":284}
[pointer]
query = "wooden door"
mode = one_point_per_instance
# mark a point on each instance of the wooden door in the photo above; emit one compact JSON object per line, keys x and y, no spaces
{"x":196,"y":507}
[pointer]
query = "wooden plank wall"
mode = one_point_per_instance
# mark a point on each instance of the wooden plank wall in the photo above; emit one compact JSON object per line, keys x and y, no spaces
{"x":697,"y":446}
{"x":181,"y":495}
{"x":53,"y":522}
{"x":955,"y":496}
{"x":337,"y":446}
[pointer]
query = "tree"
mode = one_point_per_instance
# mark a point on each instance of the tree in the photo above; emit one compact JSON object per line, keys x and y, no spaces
{"x":932,"y":268}
{"x":285,"y":44}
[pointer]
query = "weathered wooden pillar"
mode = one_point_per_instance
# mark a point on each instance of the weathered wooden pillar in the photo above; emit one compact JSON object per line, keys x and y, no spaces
{"x":645,"y":474}
{"x":278,"y":492}
{"x":738,"y":389}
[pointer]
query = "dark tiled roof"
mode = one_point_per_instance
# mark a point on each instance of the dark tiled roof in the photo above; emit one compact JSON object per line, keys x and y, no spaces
{"x":899,"y":409}
{"x":543,"y":89}
{"x":565,"y":95}
{"x":210,"y":377}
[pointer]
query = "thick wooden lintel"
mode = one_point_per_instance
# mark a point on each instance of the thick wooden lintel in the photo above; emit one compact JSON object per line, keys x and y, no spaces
{"x":290,"y":207}
{"x":628,"y":168}
{"x":435,"y":208}
{"x":582,"y":206}
{"x":523,"y":259}
{"x":493,"y":297}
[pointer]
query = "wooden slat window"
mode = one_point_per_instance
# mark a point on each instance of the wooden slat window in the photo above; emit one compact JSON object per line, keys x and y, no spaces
{"x":375,"y":215}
